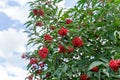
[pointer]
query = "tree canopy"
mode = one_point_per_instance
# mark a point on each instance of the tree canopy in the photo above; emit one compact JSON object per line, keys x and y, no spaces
{"x":79,"y":43}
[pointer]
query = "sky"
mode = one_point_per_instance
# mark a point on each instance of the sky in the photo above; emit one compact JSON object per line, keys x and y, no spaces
{"x":13,"y":15}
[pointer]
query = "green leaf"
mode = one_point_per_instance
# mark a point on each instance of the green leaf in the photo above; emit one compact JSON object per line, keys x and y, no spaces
{"x":65,"y":68}
{"x":54,"y":2}
{"x":115,"y":76}
{"x":60,"y":12}
{"x":54,"y":78}
{"x":28,"y":66}
{"x":95,"y":63}
{"x":104,"y":59}
{"x":106,"y":72}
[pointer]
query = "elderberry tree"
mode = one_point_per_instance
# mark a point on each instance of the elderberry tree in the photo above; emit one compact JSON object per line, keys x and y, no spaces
{"x":80,"y":43}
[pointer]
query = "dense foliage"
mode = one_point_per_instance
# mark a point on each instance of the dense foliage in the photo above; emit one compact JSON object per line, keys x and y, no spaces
{"x":80,"y":43}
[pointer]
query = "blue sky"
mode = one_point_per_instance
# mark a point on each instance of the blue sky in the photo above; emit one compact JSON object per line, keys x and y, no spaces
{"x":13,"y":14}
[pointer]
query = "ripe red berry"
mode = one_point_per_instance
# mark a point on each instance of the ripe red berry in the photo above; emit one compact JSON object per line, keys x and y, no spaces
{"x":43,"y":52}
{"x":39,"y":71}
{"x":39,"y":24}
{"x":33,"y":61}
{"x":41,"y":12}
{"x":118,"y":62}
{"x":113,"y":64}
{"x":63,"y":31}
{"x":47,"y":38}
{"x":69,"y":49}
{"x":68,"y":21}
{"x":95,"y":69}
{"x":61,"y":49}
{"x":42,"y":64}
{"x":77,"y":42}
{"x":34,"y":67}
{"x":35,"y":11}
{"x":83,"y":77}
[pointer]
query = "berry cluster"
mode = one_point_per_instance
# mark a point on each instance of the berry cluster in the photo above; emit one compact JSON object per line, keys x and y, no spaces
{"x":114,"y":64}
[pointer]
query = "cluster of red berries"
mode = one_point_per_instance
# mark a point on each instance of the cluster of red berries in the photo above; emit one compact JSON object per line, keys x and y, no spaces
{"x":38,"y":67}
{"x":43,"y":52}
{"x":114,"y":64}
{"x":83,"y":77}
{"x":37,"y":12}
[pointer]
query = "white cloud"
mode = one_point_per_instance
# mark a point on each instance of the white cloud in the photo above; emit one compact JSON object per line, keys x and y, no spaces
{"x":19,"y":12}
{"x":12,"y":73}
{"x":22,"y":2}
{"x":12,"y":44}
{"x":12,"y":40}
{"x":16,"y":13}
{"x":3,"y":4}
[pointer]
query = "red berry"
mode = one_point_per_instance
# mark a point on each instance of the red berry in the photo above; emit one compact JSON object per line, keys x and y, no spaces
{"x":118,"y":62}
{"x":42,"y":64}
{"x":70,"y":49}
{"x":34,"y":67}
{"x":77,"y":42}
{"x":35,"y":11}
{"x":48,"y":75}
{"x":83,"y":77}
{"x":113,"y":64}
{"x":41,"y":12}
{"x":39,"y":24}
{"x":61,"y":48}
{"x":24,"y":55}
{"x":33,"y":61}
{"x":68,"y":21}
{"x":30,"y":77}
{"x":47,"y":38}
{"x":63,"y":31}
{"x":43,"y":53}
{"x":95,"y":69}
{"x":39,"y":71}
{"x":52,"y":27}
{"x":38,"y":12}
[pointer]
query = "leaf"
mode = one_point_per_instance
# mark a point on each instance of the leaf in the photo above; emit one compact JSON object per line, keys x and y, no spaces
{"x":115,"y":76}
{"x":28,"y":66}
{"x":59,"y":1}
{"x":28,"y":23}
{"x":94,"y":64}
{"x":104,"y":59}
{"x":54,"y":2}
{"x":106,"y":72}
{"x":54,"y":78}
{"x":60,"y":12}
{"x":76,"y":8}
{"x":65,"y":68}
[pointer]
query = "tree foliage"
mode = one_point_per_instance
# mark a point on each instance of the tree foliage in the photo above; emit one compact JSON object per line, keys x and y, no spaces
{"x":79,"y":43}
